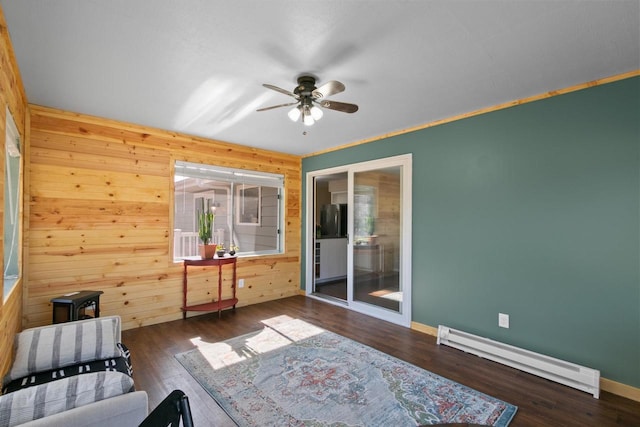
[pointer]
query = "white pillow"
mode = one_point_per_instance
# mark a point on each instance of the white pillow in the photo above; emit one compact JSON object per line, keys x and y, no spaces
{"x":51,"y":347}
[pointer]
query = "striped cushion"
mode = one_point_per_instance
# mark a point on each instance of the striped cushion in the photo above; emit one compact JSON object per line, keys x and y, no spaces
{"x":58,"y":396}
{"x":119,"y":364}
{"x":56,"y":346}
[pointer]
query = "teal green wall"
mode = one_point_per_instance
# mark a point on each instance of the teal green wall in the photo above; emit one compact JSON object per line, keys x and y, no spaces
{"x":531,"y":211}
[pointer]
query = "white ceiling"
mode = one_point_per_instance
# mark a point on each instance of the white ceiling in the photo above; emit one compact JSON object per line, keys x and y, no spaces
{"x":197,"y":67}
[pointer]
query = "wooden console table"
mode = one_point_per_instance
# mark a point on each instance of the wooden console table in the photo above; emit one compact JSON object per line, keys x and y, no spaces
{"x":220,"y":304}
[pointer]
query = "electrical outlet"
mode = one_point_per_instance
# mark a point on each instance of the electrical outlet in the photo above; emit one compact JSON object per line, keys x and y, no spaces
{"x":503,"y":320}
{"x":241,"y":283}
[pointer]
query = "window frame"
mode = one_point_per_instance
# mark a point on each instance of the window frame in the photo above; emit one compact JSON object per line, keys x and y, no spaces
{"x":235,"y":178}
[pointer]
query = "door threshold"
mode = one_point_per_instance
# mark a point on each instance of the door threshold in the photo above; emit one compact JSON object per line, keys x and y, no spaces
{"x":328,"y":298}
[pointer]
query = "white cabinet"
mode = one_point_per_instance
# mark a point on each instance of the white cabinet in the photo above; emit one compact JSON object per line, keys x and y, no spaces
{"x":331,"y":259}
{"x":339,"y":197}
{"x":338,"y":190}
{"x":369,"y":258}
{"x":339,"y":185}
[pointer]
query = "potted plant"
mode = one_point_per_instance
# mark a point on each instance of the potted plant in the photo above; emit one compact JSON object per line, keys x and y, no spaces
{"x":233,"y":249}
{"x":220,"y":250}
{"x":205,"y":227}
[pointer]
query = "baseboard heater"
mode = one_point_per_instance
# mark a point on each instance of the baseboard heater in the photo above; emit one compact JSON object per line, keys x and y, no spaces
{"x":569,"y":374}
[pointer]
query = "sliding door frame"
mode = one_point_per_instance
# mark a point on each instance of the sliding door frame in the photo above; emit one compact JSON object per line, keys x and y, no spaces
{"x":405,"y":161}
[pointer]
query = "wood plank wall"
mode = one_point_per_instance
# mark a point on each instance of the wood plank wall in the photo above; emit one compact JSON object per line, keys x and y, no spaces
{"x":12,"y":95}
{"x":100,"y":218}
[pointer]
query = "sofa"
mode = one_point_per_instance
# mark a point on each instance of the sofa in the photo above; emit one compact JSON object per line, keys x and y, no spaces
{"x":72,"y":374}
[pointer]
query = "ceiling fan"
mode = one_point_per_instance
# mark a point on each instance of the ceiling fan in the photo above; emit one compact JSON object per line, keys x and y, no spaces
{"x":309,"y":97}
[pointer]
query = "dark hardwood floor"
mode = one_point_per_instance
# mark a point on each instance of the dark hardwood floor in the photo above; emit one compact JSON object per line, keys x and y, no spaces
{"x":540,"y":402}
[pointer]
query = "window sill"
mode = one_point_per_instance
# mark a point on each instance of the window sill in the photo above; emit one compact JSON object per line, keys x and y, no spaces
{"x":10,"y":283}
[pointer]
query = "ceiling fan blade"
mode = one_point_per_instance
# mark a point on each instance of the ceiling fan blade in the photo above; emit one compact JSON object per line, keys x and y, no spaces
{"x":339,"y":106}
{"x":277,"y":89}
{"x":277,"y":106}
{"x":328,"y":89}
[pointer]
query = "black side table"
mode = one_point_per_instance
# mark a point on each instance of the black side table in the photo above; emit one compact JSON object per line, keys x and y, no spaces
{"x":71,"y":306}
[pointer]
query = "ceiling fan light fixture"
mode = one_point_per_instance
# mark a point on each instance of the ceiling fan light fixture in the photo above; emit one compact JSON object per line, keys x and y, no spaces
{"x":295,"y":113}
{"x":308,"y":121}
{"x":316,"y":113}
{"x":307,"y":118}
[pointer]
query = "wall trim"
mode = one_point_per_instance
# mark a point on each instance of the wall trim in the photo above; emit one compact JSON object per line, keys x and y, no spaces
{"x":620,"y":389}
{"x":610,"y":386}
{"x":502,"y":106}
{"x":429,"y":330}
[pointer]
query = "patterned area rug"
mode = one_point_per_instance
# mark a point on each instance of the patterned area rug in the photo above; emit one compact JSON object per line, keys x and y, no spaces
{"x":292,"y":373}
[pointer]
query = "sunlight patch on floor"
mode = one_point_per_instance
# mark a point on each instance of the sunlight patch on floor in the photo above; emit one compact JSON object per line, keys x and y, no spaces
{"x":387,"y":294}
{"x":278,"y":332}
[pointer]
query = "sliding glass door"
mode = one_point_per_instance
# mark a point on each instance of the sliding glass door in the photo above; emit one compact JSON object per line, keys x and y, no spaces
{"x":377,"y":238}
{"x":380,"y":280}
{"x":377,"y":197}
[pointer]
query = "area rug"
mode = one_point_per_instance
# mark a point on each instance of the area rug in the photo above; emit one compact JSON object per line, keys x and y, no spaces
{"x":292,"y":373}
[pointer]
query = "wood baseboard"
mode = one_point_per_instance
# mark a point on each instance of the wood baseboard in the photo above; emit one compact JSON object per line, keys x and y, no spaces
{"x":429,"y":330}
{"x":607,"y":385}
{"x":620,"y":389}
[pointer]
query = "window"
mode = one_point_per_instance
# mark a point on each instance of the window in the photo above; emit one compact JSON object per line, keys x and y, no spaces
{"x":247,"y":207}
{"x":364,"y":213}
{"x":12,"y":184}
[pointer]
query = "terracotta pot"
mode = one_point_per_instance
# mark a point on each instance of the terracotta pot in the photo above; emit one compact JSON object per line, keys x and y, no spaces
{"x":207,"y":251}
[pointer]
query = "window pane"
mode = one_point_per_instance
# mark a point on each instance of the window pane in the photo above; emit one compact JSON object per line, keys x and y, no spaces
{"x":12,"y":184}
{"x":246,"y":205}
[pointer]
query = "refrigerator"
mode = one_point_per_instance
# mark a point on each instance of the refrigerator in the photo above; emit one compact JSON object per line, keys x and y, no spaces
{"x":333,"y":220}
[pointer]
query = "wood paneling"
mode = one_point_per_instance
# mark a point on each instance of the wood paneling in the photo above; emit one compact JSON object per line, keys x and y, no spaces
{"x":10,"y":320}
{"x":11,"y":96}
{"x":100,"y":212}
